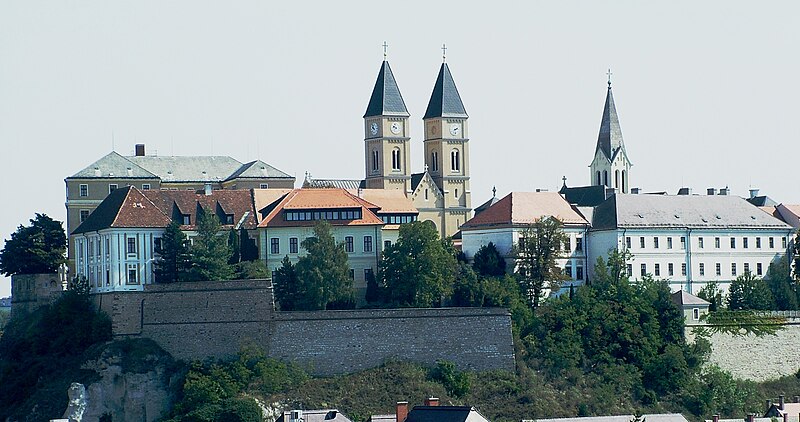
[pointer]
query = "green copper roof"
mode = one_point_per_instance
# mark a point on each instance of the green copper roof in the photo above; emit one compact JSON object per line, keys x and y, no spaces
{"x":445,"y":101}
{"x":386,"y":99}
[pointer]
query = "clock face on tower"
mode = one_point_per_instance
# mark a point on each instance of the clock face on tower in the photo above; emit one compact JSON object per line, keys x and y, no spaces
{"x":395,"y":128}
{"x":373,"y":128}
{"x":455,"y":129}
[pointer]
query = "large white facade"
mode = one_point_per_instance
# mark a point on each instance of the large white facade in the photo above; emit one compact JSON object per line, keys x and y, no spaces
{"x":116,"y":259}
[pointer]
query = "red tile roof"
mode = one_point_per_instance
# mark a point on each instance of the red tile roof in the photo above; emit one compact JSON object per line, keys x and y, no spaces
{"x":320,"y":199}
{"x":519,"y":208}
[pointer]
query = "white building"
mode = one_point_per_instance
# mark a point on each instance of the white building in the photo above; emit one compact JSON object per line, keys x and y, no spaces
{"x":504,"y":222}
{"x":688,"y":239}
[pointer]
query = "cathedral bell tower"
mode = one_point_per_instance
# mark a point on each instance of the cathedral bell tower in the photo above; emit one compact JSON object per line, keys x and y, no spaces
{"x":447,"y":149}
{"x":610,"y":166}
{"x":386,"y":135}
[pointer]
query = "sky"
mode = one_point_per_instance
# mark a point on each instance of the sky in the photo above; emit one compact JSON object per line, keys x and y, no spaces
{"x":707,"y":92}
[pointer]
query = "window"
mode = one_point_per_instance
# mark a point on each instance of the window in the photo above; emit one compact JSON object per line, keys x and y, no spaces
{"x":657,"y":270}
{"x":263,"y":185}
{"x":131,"y":246}
{"x":568,"y":271}
{"x":670,"y":269}
{"x":733,"y":243}
{"x":396,"y":159}
{"x":718,"y":269}
{"x":655,"y":242}
{"x":644,"y":270}
{"x":716,"y":242}
{"x":759,"y":269}
{"x":293,"y":245}
{"x":274,"y":246}
{"x":683,"y":242}
{"x":696,"y":314}
{"x":669,"y":243}
{"x":628,"y":242}
{"x":84,"y":215}
{"x":375,"y":160}
{"x":758,"y":243}
{"x":578,"y":244}
{"x":579,"y":273}
{"x":455,"y":194}
{"x":434,"y":161}
{"x":112,"y":187}
{"x":156,"y":244}
{"x":352,"y":274}
{"x":702,"y":269}
{"x":733,"y":269}
{"x":772,"y":243}
{"x":700,"y":243}
{"x":746,"y":267}
{"x":683,"y":269}
{"x":387,"y":243}
{"x":605,"y":178}
{"x":367,"y":243}
{"x":455,"y":160}
{"x":187,"y":219}
{"x":426,"y":194}
{"x":599,"y":182}
{"x":145,"y":186}
{"x":133,"y":271}
{"x":228,"y":218}
{"x":348,"y":244}
{"x":744,"y":242}
{"x":629,"y":267}
{"x":783,"y":242}
{"x":84,"y":190}
{"x":641,"y":242}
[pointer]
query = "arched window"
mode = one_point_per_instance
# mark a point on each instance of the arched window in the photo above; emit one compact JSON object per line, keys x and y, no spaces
{"x":616,"y":180}
{"x":375,"y":160}
{"x":455,"y":160}
{"x":599,"y":182}
{"x":434,"y":161}
{"x":396,"y":159}
{"x":605,"y":177}
{"x":624,"y":184}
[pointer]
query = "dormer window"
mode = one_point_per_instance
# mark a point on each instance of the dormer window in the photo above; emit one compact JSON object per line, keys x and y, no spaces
{"x":186,"y":219}
{"x":112,"y":187}
{"x":228,"y":218}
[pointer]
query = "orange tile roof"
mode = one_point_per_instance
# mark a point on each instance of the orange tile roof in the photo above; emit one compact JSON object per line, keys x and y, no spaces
{"x":320,"y":199}
{"x":390,"y":201}
{"x":526,"y":208}
{"x":230,"y":201}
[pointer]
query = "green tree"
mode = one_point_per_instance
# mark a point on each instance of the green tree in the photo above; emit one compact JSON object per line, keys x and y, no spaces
{"x":286,"y":286}
{"x":749,"y":292}
{"x":38,"y":248}
{"x":711,"y":293}
{"x":251,"y":270}
{"x":419,"y":269}
{"x":211,"y":251}
{"x":174,"y":260}
{"x":468,"y":289}
{"x":324,"y":273}
{"x":488,"y":262}
{"x":536,"y":254}
{"x":783,"y":287}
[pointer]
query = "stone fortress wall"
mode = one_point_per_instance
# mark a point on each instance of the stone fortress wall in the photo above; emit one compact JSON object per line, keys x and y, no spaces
{"x":215,"y":319}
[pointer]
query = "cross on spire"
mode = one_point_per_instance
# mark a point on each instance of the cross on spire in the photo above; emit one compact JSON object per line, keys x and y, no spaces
{"x":609,"y":77}
{"x":444,"y":53}
{"x":385,"y":47}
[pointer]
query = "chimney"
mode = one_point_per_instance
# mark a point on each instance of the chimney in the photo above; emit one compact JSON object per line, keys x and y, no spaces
{"x":140,"y":150}
{"x":432,"y":401}
{"x":751,"y":417}
{"x":635,"y":191}
{"x":401,"y":411}
{"x":785,"y":417}
{"x":769,"y":404}
{"x":715,"y":418}
{"x":724,"y":191}
{"x":781,"y":401}
{"x":797,"y":399}
{"x":208,"y":189}
{"x":685,"y":191}
{"x":753,"y":193}
{"x":711,"y":191}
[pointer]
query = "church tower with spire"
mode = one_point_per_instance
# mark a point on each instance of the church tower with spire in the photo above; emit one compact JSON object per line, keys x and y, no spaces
{"x":386,"y":135}
{"x":610,"y":166}
{"x":447,"y":150}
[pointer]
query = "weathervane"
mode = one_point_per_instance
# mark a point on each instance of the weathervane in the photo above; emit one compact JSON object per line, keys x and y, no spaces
{"x":444,"y":53}
{"x":385,"y":47}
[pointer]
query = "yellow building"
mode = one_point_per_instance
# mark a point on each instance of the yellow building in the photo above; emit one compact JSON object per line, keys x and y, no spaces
{"x":441,"y":193}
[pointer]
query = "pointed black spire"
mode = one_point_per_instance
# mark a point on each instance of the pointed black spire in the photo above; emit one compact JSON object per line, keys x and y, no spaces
{"x":386,"y":99}
{"x":610,"y":138}
{"x":445,"y":101}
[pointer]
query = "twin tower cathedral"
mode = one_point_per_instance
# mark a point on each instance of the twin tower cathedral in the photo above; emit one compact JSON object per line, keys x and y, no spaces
{"x":441,"y":192}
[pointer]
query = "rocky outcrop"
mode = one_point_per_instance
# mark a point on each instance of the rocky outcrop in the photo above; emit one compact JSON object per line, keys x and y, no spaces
{"x":134,"y":385}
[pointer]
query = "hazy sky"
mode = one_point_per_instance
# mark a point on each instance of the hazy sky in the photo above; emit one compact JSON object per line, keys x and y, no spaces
{"x":707,"y":92}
